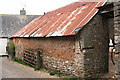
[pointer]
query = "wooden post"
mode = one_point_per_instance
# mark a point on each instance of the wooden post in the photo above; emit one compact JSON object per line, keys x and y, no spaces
{"x":39,"y":59}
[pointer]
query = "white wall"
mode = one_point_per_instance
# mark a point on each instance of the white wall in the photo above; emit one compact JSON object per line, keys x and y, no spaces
{"x":3,"y":44}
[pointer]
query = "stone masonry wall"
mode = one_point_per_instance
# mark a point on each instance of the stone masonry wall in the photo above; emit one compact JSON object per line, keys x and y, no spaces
{"x":68,"y":67}
{"x":59,"y":53}
{"x":92,"y":44}
{"x":117,"y":34}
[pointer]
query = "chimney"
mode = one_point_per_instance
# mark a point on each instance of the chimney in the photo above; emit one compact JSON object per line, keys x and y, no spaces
{"x":22,"y":12}
{"x":44,"y":13}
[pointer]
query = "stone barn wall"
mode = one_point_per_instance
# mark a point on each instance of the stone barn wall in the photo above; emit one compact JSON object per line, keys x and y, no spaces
{"x":82,"y":55}
{"x":56,"y":46}
{"x":117,"y":34}
{"x":93,"y":41}
{"x":59,"y":52}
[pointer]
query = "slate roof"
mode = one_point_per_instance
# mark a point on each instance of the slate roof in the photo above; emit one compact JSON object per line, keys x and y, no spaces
{"x":10,"y":24}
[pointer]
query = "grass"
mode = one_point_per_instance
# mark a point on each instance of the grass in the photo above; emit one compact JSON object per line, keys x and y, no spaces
{"x":59,"y":74}
{"x":43,"y":70}
{"x":73,"y":78}
{"x":18,"y":60}
{"x":51,"y":72}
{"x":35,"y":69}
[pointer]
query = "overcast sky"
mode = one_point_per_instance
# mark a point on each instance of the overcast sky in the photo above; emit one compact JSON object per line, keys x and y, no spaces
{"x":32,"y":7}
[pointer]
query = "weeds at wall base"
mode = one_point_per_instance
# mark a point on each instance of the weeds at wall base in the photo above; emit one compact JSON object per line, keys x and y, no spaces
{"x":61,"y":75}
{"x":51,"y":72}
{"x":18,"y":60}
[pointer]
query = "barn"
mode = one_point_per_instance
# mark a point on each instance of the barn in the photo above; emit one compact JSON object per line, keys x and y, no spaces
{"x":72,"y":39}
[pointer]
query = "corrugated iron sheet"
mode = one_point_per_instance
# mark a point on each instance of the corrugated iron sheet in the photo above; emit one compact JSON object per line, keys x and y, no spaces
{"x":62,"y":21}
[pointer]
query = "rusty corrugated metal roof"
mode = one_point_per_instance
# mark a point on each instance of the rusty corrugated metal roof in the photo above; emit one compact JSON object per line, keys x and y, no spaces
{"x":62,"y":21}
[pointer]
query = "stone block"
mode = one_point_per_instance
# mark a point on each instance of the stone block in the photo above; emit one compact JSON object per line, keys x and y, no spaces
{"x":117,"y":18}
{"x":117,"y":39}
{"x":116,"y":25}
{"x":117,"y":31}
{"x":116,"y":3}
{"x":117,"y":22}
{"x":117,"y":12}
{"x":117,"y":48}
{"x":117,"y":7}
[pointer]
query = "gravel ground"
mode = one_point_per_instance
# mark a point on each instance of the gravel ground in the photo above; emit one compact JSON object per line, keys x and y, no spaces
{"x":12,"y":69}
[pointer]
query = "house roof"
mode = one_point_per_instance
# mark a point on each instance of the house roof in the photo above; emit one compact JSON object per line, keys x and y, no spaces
{"x":10,"y":24}
{"x":62,"y":21}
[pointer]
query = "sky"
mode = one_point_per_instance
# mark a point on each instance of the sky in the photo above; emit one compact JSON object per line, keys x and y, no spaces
{"x":32,"y":7}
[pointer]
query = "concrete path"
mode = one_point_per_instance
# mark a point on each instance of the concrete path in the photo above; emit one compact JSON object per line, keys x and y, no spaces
{"x":15,"y":70}
{"x":0,"y":68}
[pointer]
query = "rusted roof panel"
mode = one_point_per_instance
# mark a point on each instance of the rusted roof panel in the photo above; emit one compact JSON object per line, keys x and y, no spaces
{"x":62,"y":21}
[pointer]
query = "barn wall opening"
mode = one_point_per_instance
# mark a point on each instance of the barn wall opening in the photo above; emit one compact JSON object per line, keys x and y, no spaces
{"x":108,"y":12}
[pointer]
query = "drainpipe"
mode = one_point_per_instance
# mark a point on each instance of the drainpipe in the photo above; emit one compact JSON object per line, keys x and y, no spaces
{"x":117,"y":36}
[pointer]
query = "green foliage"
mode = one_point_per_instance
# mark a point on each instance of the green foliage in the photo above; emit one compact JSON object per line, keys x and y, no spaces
{"x":97,"y":78}
{"x":61,"y":74}
{"x":53,"y":72}
{"x":73,"y":78}
{"x":11,"y":49}
{"x":43,"y":70}
{"x":18,"y":60}
{"x":35,"y":68}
